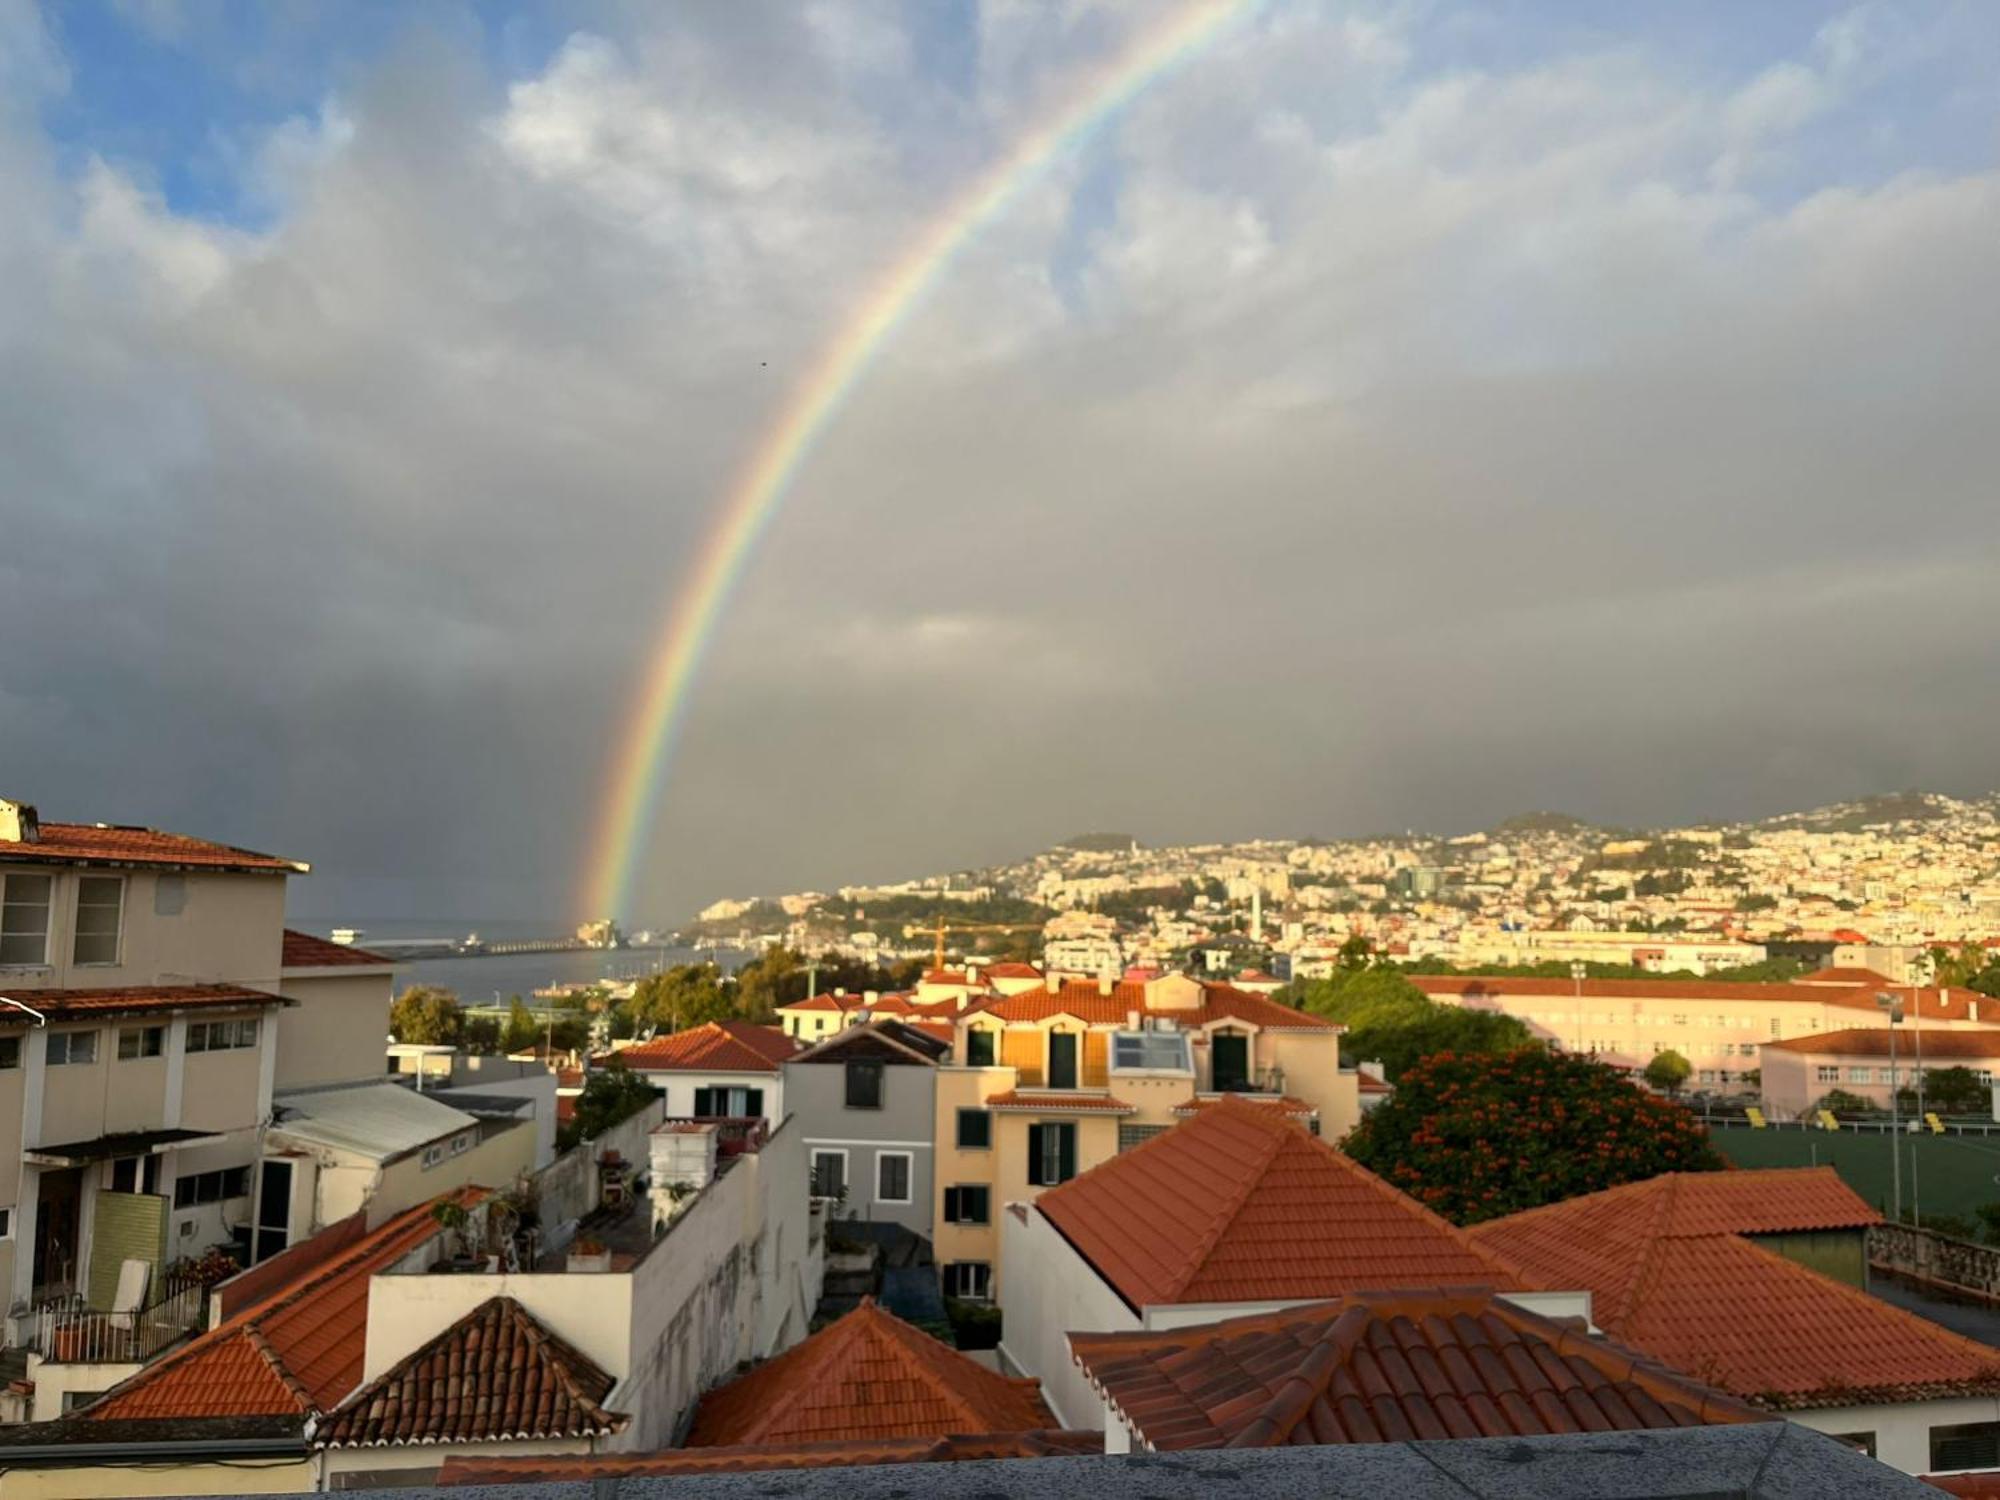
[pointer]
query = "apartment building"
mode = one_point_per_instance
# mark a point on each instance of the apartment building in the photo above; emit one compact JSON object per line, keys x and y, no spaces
{"x":1799,"y":1072}
{"x":865,"y":1101}
{"x":1044,"y":1084}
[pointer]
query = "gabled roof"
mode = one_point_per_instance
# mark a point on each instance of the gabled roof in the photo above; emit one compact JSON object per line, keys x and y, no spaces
{"x":1285,"y":1104}
{"x":866,"y":1377}
{"x":1057,"y":1101}
{"x":96,"y":1005}
{"x":881,"y":1040}
{"x":304,"y":951}
{"x":1938,"y":1004}
{"x":494,"y":1375}
{"x":110,"y":844}
{"x":754,"y":1457}
{"x":1873,"y":1041}
{"x":1671,"y":1274}
{"x":1088,"y":1002}
{"x":296,"y":1352}
{"x":1845,"y":974}
{"x":714,"y":1047}
{"x":1240,"y":1204}
{"x":1386,"y":1367}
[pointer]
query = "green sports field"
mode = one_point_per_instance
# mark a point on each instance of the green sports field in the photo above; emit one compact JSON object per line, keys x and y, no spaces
{"x":1953,"y":1174}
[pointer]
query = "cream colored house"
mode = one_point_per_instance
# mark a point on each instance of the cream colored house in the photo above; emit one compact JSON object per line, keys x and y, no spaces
{"x":1800,"y":1072}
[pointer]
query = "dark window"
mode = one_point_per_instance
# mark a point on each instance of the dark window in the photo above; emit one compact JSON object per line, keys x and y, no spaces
{"x":968,"y":1205}
{"x":99,"y":900}
{"x":892,"y":1177}
{"x":125,"y":1175}
{"x":753,"y":1102}
{"x":72,"y":1047}
{"x":1968,"y":1445}
{"x":1231,"y":1054}
{"x":1062,"y":1059}
{"x":979,"y":1048}
{"x":968,"y":1279}
{"x":975,"y":1130}
{"x":141,"y":1041}
{"x":6,"y":1223}
{"x":704,"y":1104}
{"x":1051,"y":1154}
{"x":10,"y":1052}
{"x":212,"y":1187}
{"x":864,"y":1085}
{"x":274,"y":1211}
{"x":829,"y":1174}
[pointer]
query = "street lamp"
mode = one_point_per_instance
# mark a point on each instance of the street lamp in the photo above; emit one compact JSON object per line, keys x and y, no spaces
{"x":1576,"y":972}
{"x":1894,"y":1006}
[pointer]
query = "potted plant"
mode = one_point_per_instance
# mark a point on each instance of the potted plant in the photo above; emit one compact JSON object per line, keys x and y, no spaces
{"x":456,"y":1219}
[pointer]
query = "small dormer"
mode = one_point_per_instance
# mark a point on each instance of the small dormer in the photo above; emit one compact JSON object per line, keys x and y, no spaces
{"x":1173,"y":992}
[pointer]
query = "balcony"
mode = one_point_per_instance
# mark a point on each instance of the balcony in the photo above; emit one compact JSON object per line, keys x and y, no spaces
{"x":735,"y":1135}
{"x":66,"y":1332}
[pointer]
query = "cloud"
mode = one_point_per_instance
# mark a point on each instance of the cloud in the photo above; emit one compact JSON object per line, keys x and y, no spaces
{"x":1358,"y":433}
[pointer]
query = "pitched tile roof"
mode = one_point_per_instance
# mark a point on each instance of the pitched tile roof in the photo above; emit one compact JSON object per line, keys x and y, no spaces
{"x":101,"y":843}
{"x":866,"y":1377}
{"x":1058,"y":1102}
{"x":1943,"y":1005}
{"x":296,"y":1352}
{"x":752,"y":1457}
{"x":304,"y":951}
{"x":1873,"y":1041}
{"x":1671,"y":1275}
{"x":1386,"y":1367}
{"x":715,"y":1047}
{"x":1085,"y":1000}
{"x":1845,"y":974}
{"x":85,"y":1005}
{"x":1240,"y":1204}
{"x":495,"y":1374}
{"x":1286,"y":1104}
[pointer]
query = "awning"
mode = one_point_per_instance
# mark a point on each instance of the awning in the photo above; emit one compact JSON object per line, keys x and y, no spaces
{"x":125,"y":1143}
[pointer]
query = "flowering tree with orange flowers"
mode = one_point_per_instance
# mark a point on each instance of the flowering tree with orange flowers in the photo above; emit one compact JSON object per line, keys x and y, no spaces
{"x":1477,"y":1136}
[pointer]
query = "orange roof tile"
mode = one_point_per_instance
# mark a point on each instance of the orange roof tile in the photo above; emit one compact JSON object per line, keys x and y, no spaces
{"x":1058,"y":1102}
{"x":1848,"y":974}
{"x":865,"y":1377}
{"x":495,"y":1374}
{"x":752,"y":1457}
{"x":1386,"y":1367}
{"x":1943,"y":1005}
{"x":1671,"y":1275}
{"x":299,"y":1351}
{"x":714,"y":1047}
{"x":1298,"y":1109}
{"x":1873,"y":1041}
{"x":84,"y":1005}
{"x":100,"y":843}
{"x":1240,"y":1204}
{"x":304,"y":951}
{"x":1087,"y":1002}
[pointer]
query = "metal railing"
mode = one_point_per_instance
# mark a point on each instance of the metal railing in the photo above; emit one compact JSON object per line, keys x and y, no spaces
{"x":1927,"y":1256}
{"x":734,"y":1134}
{"x":67,"y":1333}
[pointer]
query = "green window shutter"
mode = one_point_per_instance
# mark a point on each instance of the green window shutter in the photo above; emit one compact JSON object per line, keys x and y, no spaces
{"x":1066,"y":1145}
{"x":1035,"y":1155}
{"x":125,"y":1226}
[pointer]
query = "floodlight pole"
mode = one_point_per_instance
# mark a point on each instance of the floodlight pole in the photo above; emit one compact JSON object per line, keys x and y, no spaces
{"x":1894,"y":1007}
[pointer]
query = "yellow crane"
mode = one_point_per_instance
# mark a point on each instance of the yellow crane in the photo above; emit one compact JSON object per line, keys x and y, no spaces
{"x":943,"y":927}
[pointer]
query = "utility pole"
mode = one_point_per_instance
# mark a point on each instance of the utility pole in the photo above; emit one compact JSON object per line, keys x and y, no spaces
{"x":1576,"y":973}
{"x":1894,"y":1006}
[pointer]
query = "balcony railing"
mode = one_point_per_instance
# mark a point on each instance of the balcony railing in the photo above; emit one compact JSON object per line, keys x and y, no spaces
{"x":734,"y":1134}
{"x":69,"y":1334}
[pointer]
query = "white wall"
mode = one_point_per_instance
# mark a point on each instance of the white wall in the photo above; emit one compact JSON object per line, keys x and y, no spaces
{"x":1902,"y":1429}
{"x":1049,"y":1293}
{"x":679,"y":1089}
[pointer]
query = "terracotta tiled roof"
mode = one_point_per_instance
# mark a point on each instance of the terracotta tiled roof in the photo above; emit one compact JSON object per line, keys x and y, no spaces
{"x":1011,"y":971}
{"x":84,"y":1005}
{"x":1669,"y":1278}
{"x":1873,"y":1041}
{"x":97,"y":843}
{"x":714,"y":1047}
{"x":1845,"y":975}
{"x":752,"y":1457}
{"x":1087,"y":1002}
{"x":304,"y":951}
{"x":1298,"y":1109}
{"x":298,"y":1351}
{"x":1058,"y":1102}
{"x":1240,"y":1204}
{"x":866,"y":1377}
{"x":1386,"y":1367}
{"x":496,"y":1374}
{"x":1368,"y":1083}
{"x":1943,"y":1005}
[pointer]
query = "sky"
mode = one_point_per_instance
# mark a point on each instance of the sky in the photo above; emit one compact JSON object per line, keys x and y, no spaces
{"x":1403,"y":415}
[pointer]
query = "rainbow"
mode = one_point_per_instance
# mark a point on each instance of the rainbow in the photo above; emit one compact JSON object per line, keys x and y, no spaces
{"x":645,"y":748}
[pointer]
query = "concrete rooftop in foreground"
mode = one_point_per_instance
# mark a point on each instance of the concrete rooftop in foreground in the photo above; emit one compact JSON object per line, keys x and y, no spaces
{"x":1761,"y":1461}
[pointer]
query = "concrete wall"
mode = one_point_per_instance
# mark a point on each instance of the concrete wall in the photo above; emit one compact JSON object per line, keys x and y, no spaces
{"x":566,"y":1190}
{"x":815,"y":1095}
{"x":248,"y":1476}
{"x":1902,"y":1429}
{"x":1053,"y":1294}
{"x":338,"y":1029}
{"x":176,"y":928}
{"x":1839,"y":1253}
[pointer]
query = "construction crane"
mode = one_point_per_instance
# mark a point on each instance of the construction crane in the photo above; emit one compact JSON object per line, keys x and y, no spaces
{"x":943,"y":927}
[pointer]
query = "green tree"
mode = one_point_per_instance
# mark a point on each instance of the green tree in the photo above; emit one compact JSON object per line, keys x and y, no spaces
{"x":1843,"y":1103}
{"x":1475,"y":1137}
{"x":1668,"y":1071}
{"x":1958,"y":969}
{"x":520,"y":1033}
{"x":1949,"y":1091}
{"x":427,"y":1015}
{"x":1391,"y":1021}
{"x":1356,"y":953}
{"x":680,"y":997}
{"x":482,"y":1034}
{"x":611,"y":1094}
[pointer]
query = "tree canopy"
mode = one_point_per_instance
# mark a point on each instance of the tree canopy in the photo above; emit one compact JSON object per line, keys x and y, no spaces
{"x":1476,"y":1137}
{"x":1668,"y":1071}
{"x":428,"y":1016}
{"x":610,"y":1094}
{"x":1391,"y":1021}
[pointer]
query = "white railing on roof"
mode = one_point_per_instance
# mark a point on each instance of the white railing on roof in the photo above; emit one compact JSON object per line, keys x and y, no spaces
{"x":66,"y":1333}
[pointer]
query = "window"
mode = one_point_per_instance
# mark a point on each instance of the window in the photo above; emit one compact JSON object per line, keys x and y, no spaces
{"x":433,"y":1156}
{"x":969,"y":1280}
{"x":1825,"y":1074}
{"x":975,"y":1130}
{"x":223,"y":1036}
{"x":1150,"y":1051}
{"x":720,"y":1103}
{"x":212,"y":1187}
{"x":829,"y":1174}
{"x":1860,"y":1075}
{"x":141,"y":1041}
{"x":1776,"y":1030}
{"x":100,"y":900}
{"x":462,"y":1142}
{"x":892,"y":1177}
{"x":6,"y":1223}
{"x":135,"y":1174}
{"x":72,"y":1047}
{"x":864,"y":1085}
{"x":979,"y":1049}
{"x":1051,"y":1154}
{"x":10,"y":1052}
{"x":1967,"y":1445}
{"x":24,"y":920}
{"x":968,"y":1205}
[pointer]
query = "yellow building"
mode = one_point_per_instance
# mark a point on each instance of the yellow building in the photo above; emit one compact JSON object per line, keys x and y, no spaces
{"x":1046,"y":1083}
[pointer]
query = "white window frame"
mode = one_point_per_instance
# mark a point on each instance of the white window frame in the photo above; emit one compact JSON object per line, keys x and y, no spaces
{"x":48,"y":916}
{"x":69,"y":1040}
{"x":6,"y":1223}
{"x":433,"y":1155}
{"x":76,"y":924}
{"x":909,"y":1177}
{"x":962,"y":1296}
{"x":812,"y":1167}
{"x":140,"y":1031}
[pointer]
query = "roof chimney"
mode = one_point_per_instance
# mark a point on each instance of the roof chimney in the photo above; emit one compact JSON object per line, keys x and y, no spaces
{"x":18,"y":823}
{"x":1131,"y":1020}
{"x":869,"y":997}
{"x":840,"y":994}
{"x":972,"y":973}
{"x":1104,"y":983}
{"x":1053,"y":982}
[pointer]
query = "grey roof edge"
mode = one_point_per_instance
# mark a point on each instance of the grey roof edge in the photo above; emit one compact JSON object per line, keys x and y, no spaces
{"x":1756,"y":1461}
